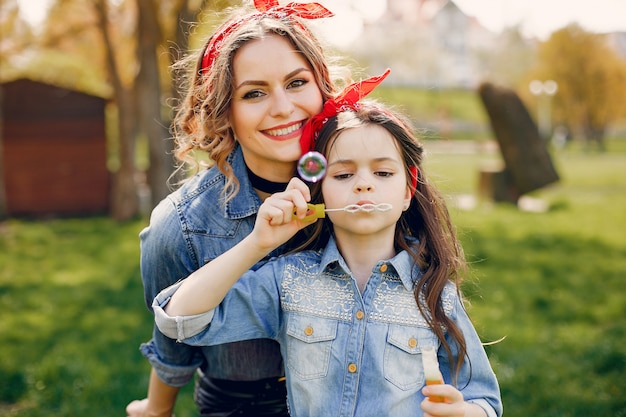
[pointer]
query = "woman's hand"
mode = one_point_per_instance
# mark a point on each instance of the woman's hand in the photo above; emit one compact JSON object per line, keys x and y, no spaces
{"x":453,"y":404}
{"x":140,"y":408}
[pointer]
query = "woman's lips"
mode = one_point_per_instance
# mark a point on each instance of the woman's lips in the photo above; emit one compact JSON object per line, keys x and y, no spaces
{"x":285,"y":132}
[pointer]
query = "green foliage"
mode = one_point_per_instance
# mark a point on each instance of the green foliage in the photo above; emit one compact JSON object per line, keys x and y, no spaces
{"x":591,"y":79}
{"x":550,"y":283}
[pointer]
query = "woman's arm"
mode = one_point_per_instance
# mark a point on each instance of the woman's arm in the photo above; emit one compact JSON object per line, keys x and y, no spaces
{"x":204,"y":289}
{"x":160,"y":401}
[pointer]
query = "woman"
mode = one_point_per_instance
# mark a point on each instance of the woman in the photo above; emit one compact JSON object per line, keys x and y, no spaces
{"x":261,"y":76}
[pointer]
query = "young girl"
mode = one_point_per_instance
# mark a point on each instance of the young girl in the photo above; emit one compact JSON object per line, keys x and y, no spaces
{"x":379,"y":286}
{"x":249,"y":92}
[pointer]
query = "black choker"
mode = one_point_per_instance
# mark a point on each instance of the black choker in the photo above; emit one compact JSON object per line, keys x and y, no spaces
{"x":264,"y":185}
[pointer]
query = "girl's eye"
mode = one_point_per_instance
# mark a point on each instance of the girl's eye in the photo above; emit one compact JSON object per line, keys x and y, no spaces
{"x":253,"y":94}
{"x":384,"y":174}
{"x":341,"y":176}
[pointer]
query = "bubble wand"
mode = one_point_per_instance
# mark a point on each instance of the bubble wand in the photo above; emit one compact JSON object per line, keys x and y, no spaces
{"x":431,"y":371}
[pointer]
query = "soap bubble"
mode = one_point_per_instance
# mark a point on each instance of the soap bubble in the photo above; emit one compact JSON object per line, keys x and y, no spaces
{"x":312,"y":166}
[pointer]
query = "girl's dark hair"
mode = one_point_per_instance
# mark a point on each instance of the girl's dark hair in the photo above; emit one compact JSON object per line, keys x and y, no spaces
{"x":424,"y":230}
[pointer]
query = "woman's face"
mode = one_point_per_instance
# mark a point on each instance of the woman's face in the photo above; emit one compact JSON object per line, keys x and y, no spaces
{"x":274,"y":94}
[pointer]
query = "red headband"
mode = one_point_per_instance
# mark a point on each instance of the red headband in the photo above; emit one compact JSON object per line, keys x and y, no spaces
{"x":265,"y":8}
{"x":346,"y":100}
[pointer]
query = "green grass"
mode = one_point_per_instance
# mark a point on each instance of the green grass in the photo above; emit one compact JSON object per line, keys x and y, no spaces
{"x":551,"y":284}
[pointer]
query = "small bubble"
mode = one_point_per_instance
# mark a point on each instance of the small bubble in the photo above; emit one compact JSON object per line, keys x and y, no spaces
{"x":312,"y":166}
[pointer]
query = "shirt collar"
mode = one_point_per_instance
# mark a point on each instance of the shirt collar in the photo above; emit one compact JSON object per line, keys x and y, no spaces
{"x":403,"y":264}
{"x":246,"y":202}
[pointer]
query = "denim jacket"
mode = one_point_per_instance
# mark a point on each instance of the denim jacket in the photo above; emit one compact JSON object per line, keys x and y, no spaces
{"x":346,"y":353}
{"x":188,"y":229}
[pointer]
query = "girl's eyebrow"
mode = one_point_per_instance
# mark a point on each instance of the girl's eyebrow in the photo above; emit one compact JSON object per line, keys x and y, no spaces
{"x":264,"y":83}
{"x":351,"y":161}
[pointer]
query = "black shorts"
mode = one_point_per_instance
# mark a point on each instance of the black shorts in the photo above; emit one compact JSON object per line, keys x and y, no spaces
{"x":224,"y":398}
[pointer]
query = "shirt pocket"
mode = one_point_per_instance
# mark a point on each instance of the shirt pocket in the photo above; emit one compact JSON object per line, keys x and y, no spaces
{"x":309,"y":343}
{"x":403,"y":355}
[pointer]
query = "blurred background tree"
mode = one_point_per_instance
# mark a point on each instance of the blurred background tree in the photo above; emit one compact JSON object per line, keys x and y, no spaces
{"x":591,"y":79}
{"x":122,"y":50}
{"x":119,"y":50}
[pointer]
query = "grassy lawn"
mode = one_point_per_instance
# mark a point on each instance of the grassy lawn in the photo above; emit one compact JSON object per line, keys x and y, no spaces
{"x":551,"y":284}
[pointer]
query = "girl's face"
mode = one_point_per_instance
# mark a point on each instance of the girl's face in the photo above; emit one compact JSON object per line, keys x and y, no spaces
{"x":365,"y":166}
{"x":275,"y":93}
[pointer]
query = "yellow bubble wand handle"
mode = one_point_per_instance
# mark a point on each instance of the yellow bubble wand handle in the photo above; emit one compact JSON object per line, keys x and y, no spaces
{"x":316,"y":211}
{"x":431,"y":371}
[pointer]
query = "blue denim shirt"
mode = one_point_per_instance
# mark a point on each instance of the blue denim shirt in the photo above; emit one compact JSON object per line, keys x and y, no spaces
{"x":188,"y":229}
{"x":346,"y":353}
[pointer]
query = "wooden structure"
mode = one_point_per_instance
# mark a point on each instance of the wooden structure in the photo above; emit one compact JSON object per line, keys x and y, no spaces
{"x":527,"y":163}
{"x":53,"y":159}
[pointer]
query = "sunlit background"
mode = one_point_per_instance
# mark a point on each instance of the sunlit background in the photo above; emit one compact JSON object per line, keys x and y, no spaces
{"x":536,"y":18}
{"x":80,"y":172}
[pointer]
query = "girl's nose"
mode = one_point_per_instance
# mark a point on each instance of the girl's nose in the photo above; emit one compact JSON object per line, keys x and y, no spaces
{"x":362,"y":185}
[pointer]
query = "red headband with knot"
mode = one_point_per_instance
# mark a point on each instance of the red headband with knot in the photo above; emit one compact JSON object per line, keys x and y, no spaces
{"x":346,"y":100}
{"x":265,"y":8}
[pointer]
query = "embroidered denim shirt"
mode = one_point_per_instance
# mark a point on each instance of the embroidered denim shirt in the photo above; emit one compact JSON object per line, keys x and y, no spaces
{"x":346,"y":353}
{"x":187,"y":229}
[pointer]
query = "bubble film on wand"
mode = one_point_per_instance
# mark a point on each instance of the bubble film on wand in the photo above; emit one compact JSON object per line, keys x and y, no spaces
{"x":312,"y":168}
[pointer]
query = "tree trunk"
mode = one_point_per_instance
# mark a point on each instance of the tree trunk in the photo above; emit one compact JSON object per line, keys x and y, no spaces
{"x":3,"y":200}
{"x":594,"y":134}
{"x":187,"y":12}
{"x":124,"y":198}
{"x":149,"y":94}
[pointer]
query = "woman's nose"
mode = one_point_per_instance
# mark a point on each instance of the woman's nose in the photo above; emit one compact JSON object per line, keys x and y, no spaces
{"x":281,"y":105}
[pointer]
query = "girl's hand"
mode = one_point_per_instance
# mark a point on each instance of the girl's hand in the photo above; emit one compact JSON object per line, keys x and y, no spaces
{"x":453,"y":404}
{"x":275,"y":223}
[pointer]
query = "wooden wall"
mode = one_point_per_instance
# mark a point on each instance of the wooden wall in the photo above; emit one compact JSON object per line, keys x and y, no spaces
{"x":54,"y":151}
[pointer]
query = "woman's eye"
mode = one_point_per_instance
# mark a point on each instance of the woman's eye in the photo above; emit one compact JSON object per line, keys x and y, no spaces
{"x":297,"y":83}
{"x":253,"y":94}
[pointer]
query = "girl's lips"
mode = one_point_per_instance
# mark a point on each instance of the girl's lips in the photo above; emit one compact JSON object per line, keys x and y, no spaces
{"x":285,"y":132}
{"x":360,"y":203}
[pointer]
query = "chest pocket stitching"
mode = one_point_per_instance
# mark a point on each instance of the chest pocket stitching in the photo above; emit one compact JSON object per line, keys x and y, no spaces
{"x":403,"y":363}
{"x":309,"y":355}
